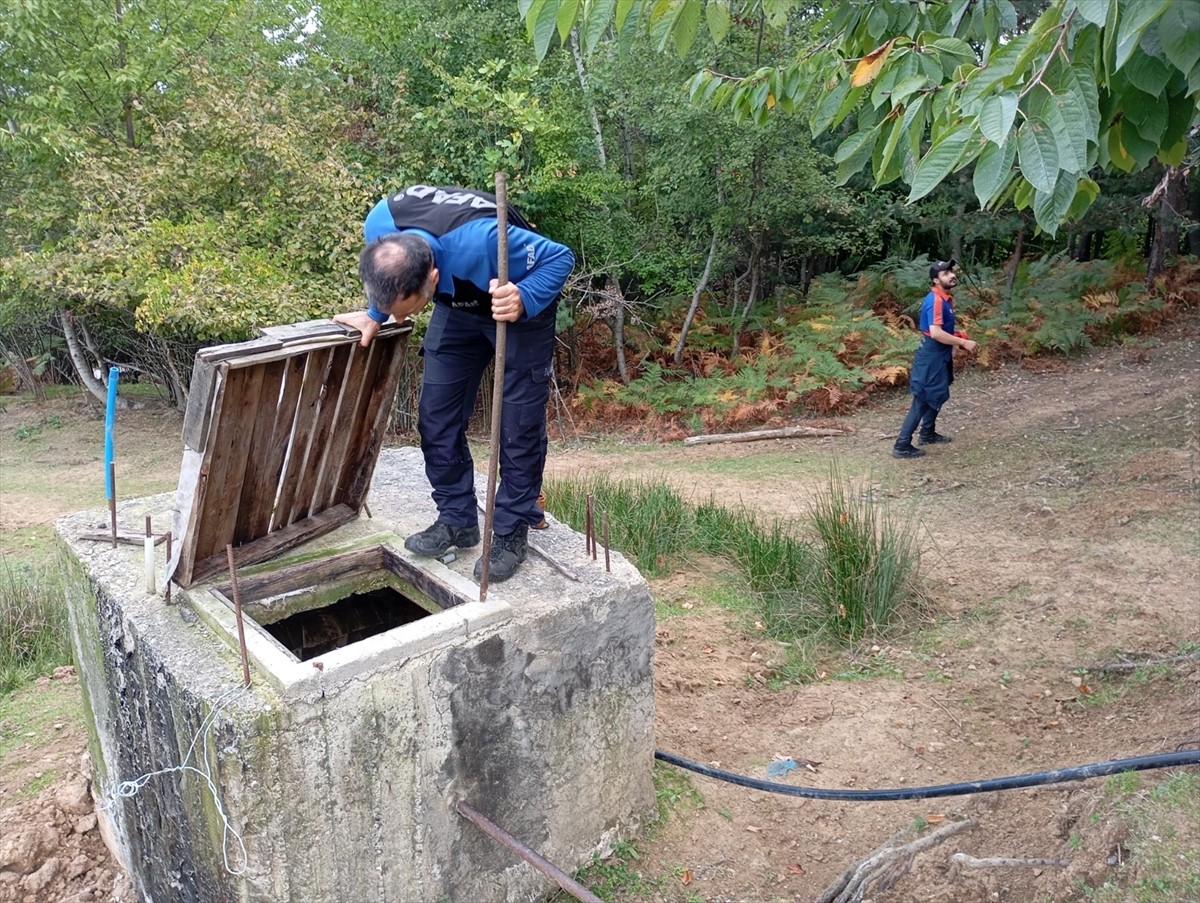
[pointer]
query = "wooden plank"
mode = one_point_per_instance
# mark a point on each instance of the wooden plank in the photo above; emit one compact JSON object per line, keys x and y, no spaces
{"x":290,"y":333}
{"x":218,"y":353}
{"x":272,"y":544}
{"x":227,"y":470}
{"x":259,"y":509}
{"x":302,"y":576}
{"x":197,"y":417}
{"x":318,"y":450}
{"x":364,"y":456}
{"x":422,"y":581}
{"x":261,"y":481}
{"x":362,"y":419}
{"x":298,"y":447}
{"x":327,"y":488}
{"x":193,"y":486}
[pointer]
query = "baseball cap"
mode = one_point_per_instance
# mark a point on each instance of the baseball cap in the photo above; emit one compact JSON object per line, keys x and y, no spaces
{"x":940,"y":266}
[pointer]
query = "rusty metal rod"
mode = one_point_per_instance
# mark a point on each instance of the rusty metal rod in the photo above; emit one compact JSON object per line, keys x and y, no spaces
{"x":607,"y":558}
{"x":543,"y":865}
{"x":237,"y":611}
{"x":588,"y":527}
{"x":497,"y":382}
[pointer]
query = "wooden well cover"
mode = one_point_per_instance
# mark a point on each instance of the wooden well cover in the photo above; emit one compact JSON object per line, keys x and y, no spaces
{"x":281,"y":437}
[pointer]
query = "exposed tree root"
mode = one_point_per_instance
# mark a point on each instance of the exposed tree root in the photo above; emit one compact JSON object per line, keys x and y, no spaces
{"x":885,"y":865}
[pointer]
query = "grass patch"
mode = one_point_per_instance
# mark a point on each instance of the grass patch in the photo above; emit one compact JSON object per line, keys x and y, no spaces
{"x":618,"y":875}
{"x":852,"y":577}
{"x":1163,"y":845}
{"x":33,"y":623}
{"x":29,"y":715}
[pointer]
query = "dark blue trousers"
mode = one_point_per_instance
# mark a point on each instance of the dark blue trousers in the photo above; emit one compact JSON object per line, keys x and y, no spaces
{"x":457,"y":349}
{"x":929,"y":382}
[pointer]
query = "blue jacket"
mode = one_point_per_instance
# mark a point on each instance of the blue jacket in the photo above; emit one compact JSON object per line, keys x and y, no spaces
{"x":461,"y":227}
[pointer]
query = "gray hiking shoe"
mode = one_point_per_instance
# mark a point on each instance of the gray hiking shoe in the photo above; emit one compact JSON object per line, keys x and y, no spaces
{"x":438,"y":538}
{"x":508,"y":551}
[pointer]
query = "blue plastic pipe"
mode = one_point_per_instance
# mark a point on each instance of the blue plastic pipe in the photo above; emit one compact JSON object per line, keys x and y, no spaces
{"x":113,"y":376}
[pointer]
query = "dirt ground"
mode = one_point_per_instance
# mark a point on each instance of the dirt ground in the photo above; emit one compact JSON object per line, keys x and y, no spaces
{"x":1060,"y":533}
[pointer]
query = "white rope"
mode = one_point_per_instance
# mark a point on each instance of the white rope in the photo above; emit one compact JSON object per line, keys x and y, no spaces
{"x":127,"y":789}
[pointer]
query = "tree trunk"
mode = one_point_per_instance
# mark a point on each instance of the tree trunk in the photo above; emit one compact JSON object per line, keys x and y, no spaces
{"x":581,"y":72}
{"x":751,"y":296}
{"x":1193,"y":236}
{"x":83,"y":369}
{"x":1167,"y":222}
{"x":16,"y":359}
{"x":687,"y":320}
{"x":1012,"y":269}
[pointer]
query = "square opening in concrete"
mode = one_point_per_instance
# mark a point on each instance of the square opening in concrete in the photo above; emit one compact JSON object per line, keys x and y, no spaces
{"x":308,"y":634}
{"x":345,"y":609}
{"x":313,"y":608}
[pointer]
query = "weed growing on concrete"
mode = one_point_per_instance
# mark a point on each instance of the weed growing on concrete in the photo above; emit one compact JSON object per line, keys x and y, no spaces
{"x":33,"y":623}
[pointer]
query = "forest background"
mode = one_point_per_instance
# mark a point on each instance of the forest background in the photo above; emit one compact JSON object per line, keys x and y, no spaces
{"x":753,"y":189}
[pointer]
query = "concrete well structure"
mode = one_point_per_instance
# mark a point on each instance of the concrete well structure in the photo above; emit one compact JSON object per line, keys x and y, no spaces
{"x":334,"y":776}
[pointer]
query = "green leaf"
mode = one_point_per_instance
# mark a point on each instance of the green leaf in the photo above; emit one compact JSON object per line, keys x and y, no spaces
{"x":1148,"y":113}
{"x":717,"y":15}
{"x":938,"y":163}
{"x":1038,"y":155}
{"x":853,"y":153}
{"x":907,"y":88}
{"x":1179,"y":32}
{"x":624,"y":7}
{"x":1049,"y":208}
{"x":882,"y":162}
{"x":1068,"y":124}
{"x":1136,"y":16}
{"x":1085,"y":193}
{"x":829,"y":107}
{"x":1174,"y":155}
{"x":1095,"y":11}
{"x":1148,"y":73}
{"x":567,"y":11}
{"x":993,"y":169}
{"x":1118,"y":156}
{"x":997,"y":116}
{"x":544,"y":15}
{"x":1080,"y":83}
{"x":599,"y":13}
{"x":687,"y":23}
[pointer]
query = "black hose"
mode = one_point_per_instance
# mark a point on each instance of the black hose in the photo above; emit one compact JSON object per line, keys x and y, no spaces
{"x":1037,"y":779}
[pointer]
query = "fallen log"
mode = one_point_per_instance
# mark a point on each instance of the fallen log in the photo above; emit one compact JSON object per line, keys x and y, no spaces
{"x":788,"y":432}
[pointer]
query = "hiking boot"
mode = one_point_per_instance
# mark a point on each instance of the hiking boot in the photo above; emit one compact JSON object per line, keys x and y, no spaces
{"x":508,"y":551}
{"x":935,"y":438}
{"x":438,"y":538}
{"x":907,"y":450}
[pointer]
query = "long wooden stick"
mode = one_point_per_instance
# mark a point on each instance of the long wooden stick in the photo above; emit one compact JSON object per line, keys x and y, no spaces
{"x":497,"y":382}
{"x":790,"y":432}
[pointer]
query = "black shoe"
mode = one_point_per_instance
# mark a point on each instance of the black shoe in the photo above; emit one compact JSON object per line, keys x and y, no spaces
{"x":438,"y":538}
{"x":907,"y":450}
{"x":935,"y":439}
{"x":508,"y":551}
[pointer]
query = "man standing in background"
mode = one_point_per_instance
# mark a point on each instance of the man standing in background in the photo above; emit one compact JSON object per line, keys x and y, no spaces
{"x":933,"y":365}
